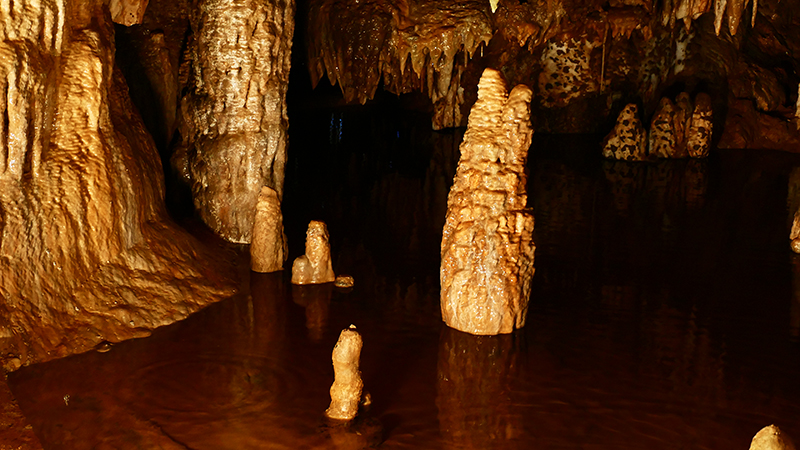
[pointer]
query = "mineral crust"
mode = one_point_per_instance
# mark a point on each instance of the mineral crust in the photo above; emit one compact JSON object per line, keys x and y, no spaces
{"x":487,"y":248}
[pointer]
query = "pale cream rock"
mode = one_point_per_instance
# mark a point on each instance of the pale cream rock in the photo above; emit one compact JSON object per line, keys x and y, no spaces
{"x":487,"y":248}
{"x":699,"y":134}
{"x":347,"y":384}
{"x":628,"y":140}
{"x":268,"y":248}
{"x":315,"y":266}
{"x":127,"y":12}
{"x":771,"y":438}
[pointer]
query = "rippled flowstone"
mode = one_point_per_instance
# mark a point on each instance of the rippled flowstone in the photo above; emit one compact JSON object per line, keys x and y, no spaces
{"x":487,"y":248}
{"x":628,"y":140}
{"x":771,"y":438}
{"x":347,"y":384}
{"x":87,"y":250}
{"x":315,"y":266}
{"x":268,"y":249}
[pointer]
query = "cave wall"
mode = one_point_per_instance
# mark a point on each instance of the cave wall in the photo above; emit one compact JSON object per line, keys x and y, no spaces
{"x":87,"y":251}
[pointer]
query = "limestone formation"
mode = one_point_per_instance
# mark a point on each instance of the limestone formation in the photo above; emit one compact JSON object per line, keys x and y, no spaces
{"x":344,"y":281}
{"x":663,"y":139}
{"x":347,"y":384}
{"x":127,"y":12}
{"x":699,"y":134}
{"x":233,"y":118}
{"x":487,"y":248}
{"x":315,"y":266}
{"x":87,"y":251}
{"x":794,"y":234}
{"x":268,"y":248}
{"x":771,"y":438}
{"x":627,"y":141}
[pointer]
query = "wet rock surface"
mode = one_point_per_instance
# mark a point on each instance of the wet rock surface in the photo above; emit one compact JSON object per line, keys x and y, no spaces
{"x":269,"y":247}
{"x":487,"y":247}
{"x":315,"y":266}
{"x":88,"y":252}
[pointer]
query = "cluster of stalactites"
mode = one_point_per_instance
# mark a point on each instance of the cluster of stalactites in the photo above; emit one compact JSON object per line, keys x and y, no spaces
{"x":689,"y":10}
{"x":428,"y":37}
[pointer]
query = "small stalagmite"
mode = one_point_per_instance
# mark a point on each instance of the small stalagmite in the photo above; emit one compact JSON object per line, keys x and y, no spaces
{"x":628,"y":140}
{"x":771,"y":438}
{"x":268,"y":248}
{"x":487,"y":248}
{"x":347,"y":384}
{"x":699,"y":133}
{"x":315,"y":266}
{"x":662,"y":140}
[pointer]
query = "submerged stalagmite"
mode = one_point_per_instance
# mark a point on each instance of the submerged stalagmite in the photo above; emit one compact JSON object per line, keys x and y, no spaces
{"x":347,"y":384}
{"x":315,"y":266}
{"x":487,"y":247}
{"x":268,"y":249}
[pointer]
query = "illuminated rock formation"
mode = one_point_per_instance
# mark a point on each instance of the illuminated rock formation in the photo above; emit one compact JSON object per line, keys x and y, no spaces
{"x":628,"y":140}
{"x":268,"y":249}
{"x":771,"y":438}
{"x":662,"y":139}
{"x":88,"y":253}
{"x":347,"y":384}
{"x":487,"y":248}
{"x":698,"y":136}
{"x":233,"y":119}
{"x":315,"y":266}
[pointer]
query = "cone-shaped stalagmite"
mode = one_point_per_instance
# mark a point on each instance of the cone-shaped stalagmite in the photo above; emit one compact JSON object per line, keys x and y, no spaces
{"x":268,"y":248}
{"x":347,"y":384}
{"x":771,"y":438}
{"x":487,"y":249}
{"x":627,"y":141}
{"x":315,"y":266}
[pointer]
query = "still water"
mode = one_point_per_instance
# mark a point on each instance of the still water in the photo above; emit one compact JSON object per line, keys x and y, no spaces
{"x":665,"y":313}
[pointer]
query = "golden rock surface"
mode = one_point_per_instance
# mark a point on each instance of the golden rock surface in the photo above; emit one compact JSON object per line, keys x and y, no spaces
{"x":347,"y":384}
{"x":87,"y":251}
{"x":627,"y":141}
{"x":344,"y":281}
{"x":771,"y":438}
{"x":233,"y":119}
{"x":699,"y":134}
{"x":487,"y":248}
{"x":315,"y":266}
{"x":127,"y":12}
{"x":268,"y":248}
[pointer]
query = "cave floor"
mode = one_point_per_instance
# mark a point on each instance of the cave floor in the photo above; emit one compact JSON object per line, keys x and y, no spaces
{"x":665,"y":313}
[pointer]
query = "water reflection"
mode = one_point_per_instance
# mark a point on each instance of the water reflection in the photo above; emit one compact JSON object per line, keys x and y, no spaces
{"x":316,"y":300}
{"x":473,"y":395}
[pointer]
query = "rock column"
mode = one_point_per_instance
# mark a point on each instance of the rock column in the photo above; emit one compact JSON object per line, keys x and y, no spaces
{"x":487,"y":247}
{"x":347,"y":384}
{"x":268,"y":249}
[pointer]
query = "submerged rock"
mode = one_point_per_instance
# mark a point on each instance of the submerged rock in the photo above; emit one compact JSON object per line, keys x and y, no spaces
{"x":315,"y":266}
{"x":627,"y":141}
{"x":268,"y":249}
{"x":487,"y":248}
{"x":347,"y":384}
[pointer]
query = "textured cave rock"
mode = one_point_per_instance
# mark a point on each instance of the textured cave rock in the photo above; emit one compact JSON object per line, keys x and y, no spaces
{"x":233,"y":121}
{"x":487,"y":248}
{"x":88,"y":253}
{"x":347,"y":385}
{"x":771,"y":438}
{"x":269,"y":247}
{"x":627,"y":141}
{"x":665,"y":129}
{"x":315,"y":266}
{"x":698,"y":136}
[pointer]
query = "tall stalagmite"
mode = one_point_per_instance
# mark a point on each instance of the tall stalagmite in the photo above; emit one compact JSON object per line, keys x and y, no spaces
{"x":87,"y":252}
{"x":487,"y":247}
{"x":233,"y":119}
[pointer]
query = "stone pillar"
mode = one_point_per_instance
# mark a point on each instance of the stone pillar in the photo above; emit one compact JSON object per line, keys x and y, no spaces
{"x":233,"y":119}
{"x":347,"y":384}
{"x":268,"y":248}
{"x":487,"y":247}
{"x":315,"y":266}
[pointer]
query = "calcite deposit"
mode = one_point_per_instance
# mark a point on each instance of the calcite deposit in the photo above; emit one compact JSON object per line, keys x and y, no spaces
{"x":698,"y":136}
{"x":771,"y":438}
{"x":347,"y":384}
{"x":315,"y":266}
{"x":87,"y":251}
{"x":665,"y":129}
{"x":268,"y":248}
{"x":628,"y":140}
{"x":487,"y":248}
{"x":233,"y":120}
